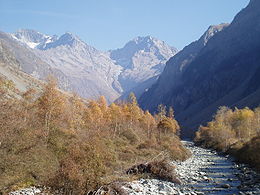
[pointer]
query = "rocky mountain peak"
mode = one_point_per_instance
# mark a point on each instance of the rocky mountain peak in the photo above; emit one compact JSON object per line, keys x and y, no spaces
{"x":146,"y":43}
{"x":146,"y":39}
{"x":29,"y":35}
{"x":67,"y":39}
{"x":141,"y":58}
{"x":212,"y":30}
{"x":140,"y":47}
{"x":90,"y":72}
{"x":32,"y":38}
{"x":37,"y":40}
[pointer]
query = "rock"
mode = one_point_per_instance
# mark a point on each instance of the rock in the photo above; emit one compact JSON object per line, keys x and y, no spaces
{"x":26,"y":191}
{"x":225,"y":186}
{"x":161,"y":186}
{"x":205,"y":178}
{"x":138,"y":169}
{"x":198,"y":170}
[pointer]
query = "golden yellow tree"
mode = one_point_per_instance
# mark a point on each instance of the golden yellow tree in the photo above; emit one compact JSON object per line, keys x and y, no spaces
{"x":134,"y":110}
{"x":50,"y":105}
{"x":257,"y":121}
{"x":96,"y":114}
{"x":115,"y":114}
{"x":149,"y":123}
{"x":161,"y":112}
{"x":75,"y":113}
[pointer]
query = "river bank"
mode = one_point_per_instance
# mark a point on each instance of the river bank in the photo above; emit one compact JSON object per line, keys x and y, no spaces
{"x":205,"y":172}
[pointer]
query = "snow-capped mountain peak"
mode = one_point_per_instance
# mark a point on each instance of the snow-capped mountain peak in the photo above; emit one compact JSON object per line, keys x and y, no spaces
{"x":32,"y":38}
{"x":140,"y":39}
{"x":68,"y":39}
{"x":141,"y":58}
{"x":37,"y":40}
{"x":91,"y":72}
{"x":142,"y":46}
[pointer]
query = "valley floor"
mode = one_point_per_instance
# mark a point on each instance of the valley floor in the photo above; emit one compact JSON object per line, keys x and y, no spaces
{"x":205,"y":172}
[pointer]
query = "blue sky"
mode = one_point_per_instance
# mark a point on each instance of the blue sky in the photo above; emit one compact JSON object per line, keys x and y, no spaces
{"x":109,"y":24}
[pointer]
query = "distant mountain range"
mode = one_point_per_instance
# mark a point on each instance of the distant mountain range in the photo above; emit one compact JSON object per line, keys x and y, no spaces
{"x":221,"y":68}
{"x":85,"y":70}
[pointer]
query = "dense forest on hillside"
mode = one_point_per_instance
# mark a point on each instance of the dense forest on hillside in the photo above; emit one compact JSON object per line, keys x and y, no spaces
{"x":65,"y":142}
{"x":234,"y":131}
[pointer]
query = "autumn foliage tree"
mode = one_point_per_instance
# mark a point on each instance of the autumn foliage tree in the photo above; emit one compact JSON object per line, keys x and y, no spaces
{"x":231,"y":130}
{"x":71,"y":144}
{"x":50,"y":105}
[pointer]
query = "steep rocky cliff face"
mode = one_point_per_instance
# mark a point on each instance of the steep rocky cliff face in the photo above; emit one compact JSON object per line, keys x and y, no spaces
{"x":10,"y":69}
{"x":224,"y":70}
{"x":171,"y":76}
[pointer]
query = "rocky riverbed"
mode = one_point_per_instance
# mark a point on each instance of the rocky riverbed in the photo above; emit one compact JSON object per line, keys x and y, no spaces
{"x":206,"y":172}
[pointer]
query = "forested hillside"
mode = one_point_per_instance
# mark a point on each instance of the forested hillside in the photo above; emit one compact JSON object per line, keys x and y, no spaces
{"x":75,"y":145}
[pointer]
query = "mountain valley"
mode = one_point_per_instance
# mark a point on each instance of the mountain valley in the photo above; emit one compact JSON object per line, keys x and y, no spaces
{"x":144,"y":118}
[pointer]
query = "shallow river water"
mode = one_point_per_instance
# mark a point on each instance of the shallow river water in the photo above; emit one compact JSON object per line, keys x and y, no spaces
{"x":206,"y":172}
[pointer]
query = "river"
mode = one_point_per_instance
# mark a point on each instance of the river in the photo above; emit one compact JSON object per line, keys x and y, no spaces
{"x":206,"y":172}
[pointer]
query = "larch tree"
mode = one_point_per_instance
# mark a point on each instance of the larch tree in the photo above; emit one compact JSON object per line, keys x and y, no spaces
{"x":115,"y":114}
{"x":76,"y":113}
{"x":149,"y":122}
{"x":257,"y":121}
{"x":96,"y":114}
{"x":161,"y":111}
{"x":50,"y":105}
{"x":134,"y":109}
{"x":171,"y":113}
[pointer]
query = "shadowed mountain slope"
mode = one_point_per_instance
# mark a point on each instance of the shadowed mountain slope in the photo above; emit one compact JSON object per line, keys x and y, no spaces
{"x":223,"y":71}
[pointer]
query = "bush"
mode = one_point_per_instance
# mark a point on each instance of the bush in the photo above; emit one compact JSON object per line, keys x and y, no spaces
{"x":159,"y":169}
{"x":80,"y":171}
{"x":163,"y":170}
{"x":249,"y":153}
{"x":130,"y":135}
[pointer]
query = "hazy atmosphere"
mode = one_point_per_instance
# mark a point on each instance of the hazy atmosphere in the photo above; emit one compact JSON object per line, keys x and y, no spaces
{"x":138,"y":97}
{"x":109,"y":24}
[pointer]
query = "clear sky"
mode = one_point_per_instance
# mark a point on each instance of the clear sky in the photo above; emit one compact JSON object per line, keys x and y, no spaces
{"x":109,"y":24}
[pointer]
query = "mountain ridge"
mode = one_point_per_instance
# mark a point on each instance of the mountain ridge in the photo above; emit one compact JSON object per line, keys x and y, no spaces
{"x":218,"y":75}
{"x":89,"y":72}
